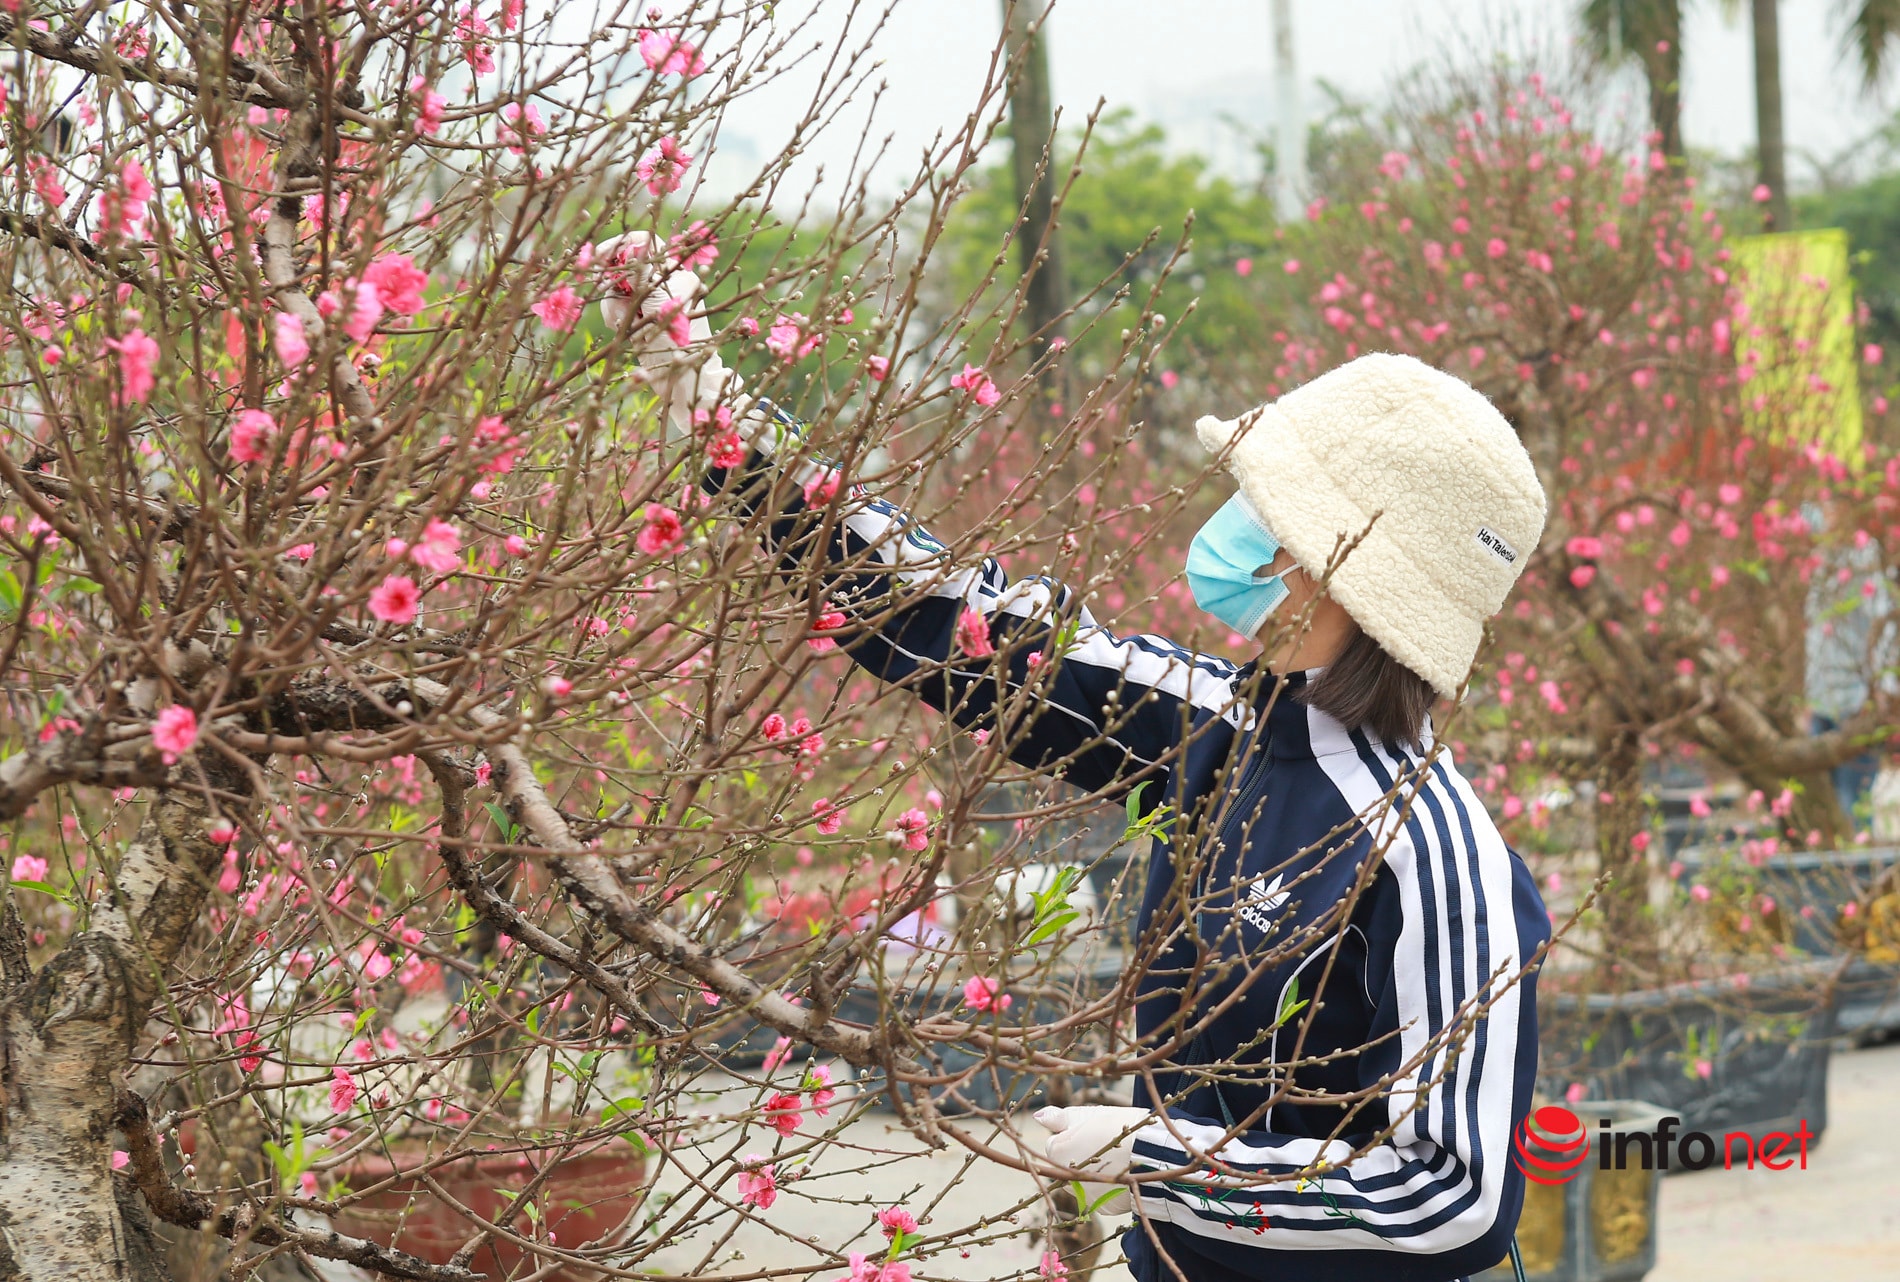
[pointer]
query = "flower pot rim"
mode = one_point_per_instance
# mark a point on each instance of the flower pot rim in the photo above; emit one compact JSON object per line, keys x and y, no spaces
{"x":1704,"y":854}
{"x":1624,"y":1113}
{"x":1782,"y":978}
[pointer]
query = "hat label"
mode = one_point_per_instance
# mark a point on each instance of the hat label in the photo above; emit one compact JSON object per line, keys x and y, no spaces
{"x":1494,"y":543}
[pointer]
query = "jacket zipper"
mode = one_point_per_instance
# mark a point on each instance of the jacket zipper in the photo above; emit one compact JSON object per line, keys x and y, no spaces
{"x":1252,"y":784}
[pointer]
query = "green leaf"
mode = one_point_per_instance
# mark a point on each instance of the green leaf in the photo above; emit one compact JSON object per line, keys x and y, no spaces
{"x":503,"y":823}
{"x":464,"y":923}
{"x":291,"y":1162}
{"x":10,"y":591}
{"x":46,"y":888}
{"x":1290,"y":1004}
{"x":1057,"y":894}
{"x":629,"y":1107}
{"x":1050,"y":927}
{"x":1134,"y":806}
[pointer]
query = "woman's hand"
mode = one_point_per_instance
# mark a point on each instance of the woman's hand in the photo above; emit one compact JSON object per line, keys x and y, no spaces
{"x":1097,"y":1138}
{"x":669,"y":339}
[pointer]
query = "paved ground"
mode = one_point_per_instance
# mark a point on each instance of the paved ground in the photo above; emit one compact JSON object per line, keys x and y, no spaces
{"x":1839,"y":1220}
{"x":835,"y":1201}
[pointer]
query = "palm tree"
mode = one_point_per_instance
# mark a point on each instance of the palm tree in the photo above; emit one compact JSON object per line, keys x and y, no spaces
{"x":1651,"y":32}
{"x":1872,"y":26}
{"x":1031,"y":129}
{"x":1770,"y":149}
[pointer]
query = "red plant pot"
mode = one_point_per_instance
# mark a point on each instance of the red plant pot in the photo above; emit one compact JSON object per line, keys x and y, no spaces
{"x":589,"y":1196}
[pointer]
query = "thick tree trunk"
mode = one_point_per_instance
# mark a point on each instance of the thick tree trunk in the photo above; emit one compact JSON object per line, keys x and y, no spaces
{"x":1031,"y":129}
{"x":68,"y":1035}
{"x":1659,"y":44}
{"x":1629,"y":929}
{"x":1771,"y":151}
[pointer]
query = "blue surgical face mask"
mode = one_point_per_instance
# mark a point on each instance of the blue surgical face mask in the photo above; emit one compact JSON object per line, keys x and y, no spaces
{"x":1221,"y":562}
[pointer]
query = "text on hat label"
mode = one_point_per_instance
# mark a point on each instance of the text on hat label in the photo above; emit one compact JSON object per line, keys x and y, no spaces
{"x":1494,"y":543}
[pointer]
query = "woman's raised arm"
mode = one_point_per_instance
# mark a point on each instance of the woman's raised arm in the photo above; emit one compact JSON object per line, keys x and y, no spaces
{"x":1024,"y":660}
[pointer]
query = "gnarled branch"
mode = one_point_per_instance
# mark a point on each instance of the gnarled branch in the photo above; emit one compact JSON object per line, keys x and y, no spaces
{"x":190,"y":1209}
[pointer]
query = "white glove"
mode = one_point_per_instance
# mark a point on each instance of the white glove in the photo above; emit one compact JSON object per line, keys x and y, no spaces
{"x":1098,"y":1138}
{"x":687,"y":376}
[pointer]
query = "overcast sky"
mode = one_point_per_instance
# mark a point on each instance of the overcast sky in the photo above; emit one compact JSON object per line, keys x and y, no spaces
{"x":1186,"y":63}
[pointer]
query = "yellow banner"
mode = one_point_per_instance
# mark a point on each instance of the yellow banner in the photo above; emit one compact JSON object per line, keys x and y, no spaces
{"x":1794,"y":343}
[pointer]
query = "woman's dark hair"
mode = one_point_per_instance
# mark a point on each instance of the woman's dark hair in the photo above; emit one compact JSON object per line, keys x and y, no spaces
{"x":1365,"y":686}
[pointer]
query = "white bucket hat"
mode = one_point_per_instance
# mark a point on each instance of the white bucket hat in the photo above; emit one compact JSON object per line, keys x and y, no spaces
{"x":1423,"y":466}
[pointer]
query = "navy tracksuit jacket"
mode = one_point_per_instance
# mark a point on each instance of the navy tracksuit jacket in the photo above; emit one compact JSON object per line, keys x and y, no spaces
{"x":1296,"y":809}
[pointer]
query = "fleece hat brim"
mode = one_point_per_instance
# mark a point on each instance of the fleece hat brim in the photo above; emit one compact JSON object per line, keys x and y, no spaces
{"x":1413,"y":482}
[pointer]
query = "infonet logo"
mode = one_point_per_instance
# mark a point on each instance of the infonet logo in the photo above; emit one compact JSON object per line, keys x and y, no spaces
{"x":1552,"y":1145}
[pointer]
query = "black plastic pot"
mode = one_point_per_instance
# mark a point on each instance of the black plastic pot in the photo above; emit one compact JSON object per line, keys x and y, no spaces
{"x":1599,"y":1227}
{"x":1723,"y":1057}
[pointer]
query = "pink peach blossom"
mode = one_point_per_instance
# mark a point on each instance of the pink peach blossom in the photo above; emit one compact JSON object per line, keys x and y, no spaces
{"x":973,"y":634}
{"x":251,"y":436}
{"x":818,"y":1082}
{"x":399,"y":283}
{"x":366,"y":308}
{"x":287,"y":335}
{"x":974,"y":381}
{"x":670,"y":54}
{"x":915,"y":825}
{"x":521,"y":126}
{"x":782,"y":1112}
{"x":429,"y":106}
{"x":758,"y":1182}
{"x":981,"y":993}
{"x":343,"y":1090}
{"x":174,"y":731}
{"x":693,"y":248}
{"x":138,"y":353}
{"x":395,"y":599}
{"x":439,"y":549}
{"x":663,"y":167}
{"x":661,"y":532}
{"x":792,"y":337}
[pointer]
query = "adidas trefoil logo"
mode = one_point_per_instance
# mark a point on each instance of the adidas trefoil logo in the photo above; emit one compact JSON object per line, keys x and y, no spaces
{"x":1263,"y":900}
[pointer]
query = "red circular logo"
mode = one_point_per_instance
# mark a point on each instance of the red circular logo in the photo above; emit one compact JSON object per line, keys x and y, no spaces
{"x":1551,"y":1144}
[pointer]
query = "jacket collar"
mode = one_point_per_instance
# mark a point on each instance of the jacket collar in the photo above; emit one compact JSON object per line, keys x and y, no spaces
{"x":1296,"y":731}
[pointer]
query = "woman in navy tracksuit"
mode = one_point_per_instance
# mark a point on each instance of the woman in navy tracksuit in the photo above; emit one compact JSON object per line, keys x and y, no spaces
{"x":1331,"y":895}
